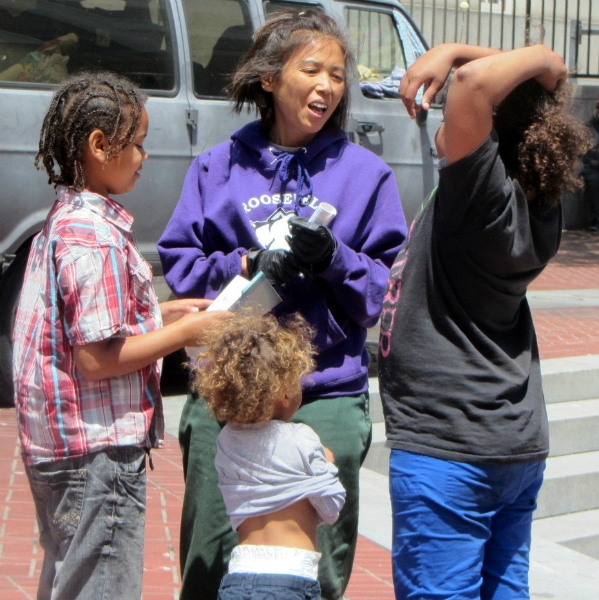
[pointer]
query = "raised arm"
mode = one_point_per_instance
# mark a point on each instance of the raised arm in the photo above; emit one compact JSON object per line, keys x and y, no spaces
{"x":432,"y":70}
{"x":484,"y":82}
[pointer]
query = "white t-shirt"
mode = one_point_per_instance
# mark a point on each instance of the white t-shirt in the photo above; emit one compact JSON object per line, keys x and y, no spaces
{"x":265,"y":467}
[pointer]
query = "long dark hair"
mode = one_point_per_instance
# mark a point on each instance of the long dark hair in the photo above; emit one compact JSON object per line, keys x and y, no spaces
{"x":273,"y":45}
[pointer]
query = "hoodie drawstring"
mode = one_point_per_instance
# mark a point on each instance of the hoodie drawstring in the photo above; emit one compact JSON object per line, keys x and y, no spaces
{"x":285,"y":159}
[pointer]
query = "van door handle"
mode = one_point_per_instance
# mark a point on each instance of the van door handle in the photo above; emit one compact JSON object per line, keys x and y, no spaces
{"x":365,"y":127}
{"x":192,"y":118}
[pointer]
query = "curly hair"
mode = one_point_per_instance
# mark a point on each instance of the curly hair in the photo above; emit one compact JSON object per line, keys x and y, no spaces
{"x":274,"y":43}
{"x":248,"y":359}
{"x":83,"y":103}
{"x":539,"y":142}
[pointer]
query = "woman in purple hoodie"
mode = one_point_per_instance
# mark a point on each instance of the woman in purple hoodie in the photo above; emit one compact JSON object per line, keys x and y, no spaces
{"x":244,"y":208}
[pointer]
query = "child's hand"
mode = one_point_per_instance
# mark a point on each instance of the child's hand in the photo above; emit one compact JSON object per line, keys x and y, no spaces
{"x":173,"y":310}
{"x":555,"y":72}
{"x":328,"y":454}
{"x":430,"y":69}
{"x":199,"y":325}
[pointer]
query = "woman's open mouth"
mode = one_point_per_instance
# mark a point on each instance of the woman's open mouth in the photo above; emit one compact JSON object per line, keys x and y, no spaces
{"x":318,"y":107}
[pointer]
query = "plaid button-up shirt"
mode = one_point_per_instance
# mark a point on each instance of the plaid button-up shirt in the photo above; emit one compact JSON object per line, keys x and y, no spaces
{"x":85,"y":282}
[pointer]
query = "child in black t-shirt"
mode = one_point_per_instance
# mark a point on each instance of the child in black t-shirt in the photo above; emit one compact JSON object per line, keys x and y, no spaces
{"x":458,"y":362}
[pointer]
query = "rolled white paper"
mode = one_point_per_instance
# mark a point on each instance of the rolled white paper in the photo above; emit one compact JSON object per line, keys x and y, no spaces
{"x":323,"y":214}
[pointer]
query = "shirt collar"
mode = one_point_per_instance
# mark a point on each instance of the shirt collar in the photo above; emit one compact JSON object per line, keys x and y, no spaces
{"x":108,"y":208}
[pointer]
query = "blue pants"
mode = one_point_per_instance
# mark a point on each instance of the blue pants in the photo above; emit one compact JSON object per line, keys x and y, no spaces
{"x":91,"y":513}
{"x":260,"y":586}
{"x":461,"y":531}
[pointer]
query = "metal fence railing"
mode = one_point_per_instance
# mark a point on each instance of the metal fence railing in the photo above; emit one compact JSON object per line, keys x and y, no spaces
{"x":570,"y":27}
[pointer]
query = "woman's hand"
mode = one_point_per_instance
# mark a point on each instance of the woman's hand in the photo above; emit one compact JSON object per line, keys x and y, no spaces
{"x":312,"y":245}
{"x":278,"y":266}
{"x":173,"y":310}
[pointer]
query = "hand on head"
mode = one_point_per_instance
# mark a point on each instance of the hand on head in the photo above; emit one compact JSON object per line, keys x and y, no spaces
{"x":198,"y":325}
{"x":175,"y":309}
{"x":556,"y":71}
{"x":430,"y":70}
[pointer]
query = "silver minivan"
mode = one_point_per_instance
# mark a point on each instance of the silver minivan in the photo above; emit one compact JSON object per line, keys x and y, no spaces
{"x":180,"y":52}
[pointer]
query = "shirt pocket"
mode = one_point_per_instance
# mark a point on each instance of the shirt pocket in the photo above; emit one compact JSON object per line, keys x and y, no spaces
{"x":142,"y":290}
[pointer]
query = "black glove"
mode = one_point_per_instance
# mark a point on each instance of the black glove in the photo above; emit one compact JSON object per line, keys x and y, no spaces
{"x":313,"y":245}
{"x":279,"y":266}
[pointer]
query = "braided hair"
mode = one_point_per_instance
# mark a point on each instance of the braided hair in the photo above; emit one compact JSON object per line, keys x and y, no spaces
{"x":83,"y":103}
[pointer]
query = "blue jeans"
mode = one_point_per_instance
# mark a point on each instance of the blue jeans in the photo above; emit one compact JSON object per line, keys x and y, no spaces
{"x":461,"y":531}
{"x":262,"y":586}
{"x":91,"y":513}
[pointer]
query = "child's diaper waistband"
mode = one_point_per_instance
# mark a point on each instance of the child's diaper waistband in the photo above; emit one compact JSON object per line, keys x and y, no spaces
{"x":247,"y":558}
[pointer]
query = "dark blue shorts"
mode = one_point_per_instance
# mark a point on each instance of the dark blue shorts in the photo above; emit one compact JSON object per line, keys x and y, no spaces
{"x":262,"y":586}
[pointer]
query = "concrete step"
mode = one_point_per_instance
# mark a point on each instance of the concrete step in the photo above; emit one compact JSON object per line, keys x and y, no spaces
{"x":559,"y":573}
{"x":572,"y":476}
{"x":572,"y":378}
{"x":571,"y":484}
{"x":578,"y":531}
{"x":376,"y":405}
{"x":573,"y":427}
{"x":377,"y":458}
{"x":564,"y":379}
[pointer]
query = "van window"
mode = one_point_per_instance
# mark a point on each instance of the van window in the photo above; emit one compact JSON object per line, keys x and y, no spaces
{"x":386,"y":46}
{"x":220,"y":31}
{"x":43,"y":41}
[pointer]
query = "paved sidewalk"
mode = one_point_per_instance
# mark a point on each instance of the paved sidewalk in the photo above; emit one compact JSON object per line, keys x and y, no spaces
{"x":565,"y":302}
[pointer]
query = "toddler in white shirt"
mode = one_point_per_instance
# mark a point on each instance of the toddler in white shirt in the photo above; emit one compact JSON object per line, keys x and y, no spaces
{"x":277,"y":480}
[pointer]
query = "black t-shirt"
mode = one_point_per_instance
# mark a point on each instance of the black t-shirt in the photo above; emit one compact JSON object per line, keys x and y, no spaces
{"x":458,"y":359}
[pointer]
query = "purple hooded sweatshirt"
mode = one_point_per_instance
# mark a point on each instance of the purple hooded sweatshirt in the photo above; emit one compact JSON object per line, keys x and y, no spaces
{"x":241,"y":193}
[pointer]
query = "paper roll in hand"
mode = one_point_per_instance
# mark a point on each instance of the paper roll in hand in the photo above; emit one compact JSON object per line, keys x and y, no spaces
{"x":323,"y":214}
{"x":313,"y":245}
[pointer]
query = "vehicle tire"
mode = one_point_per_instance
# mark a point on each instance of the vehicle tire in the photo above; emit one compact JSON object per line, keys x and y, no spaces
{"x":11,"y":282}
